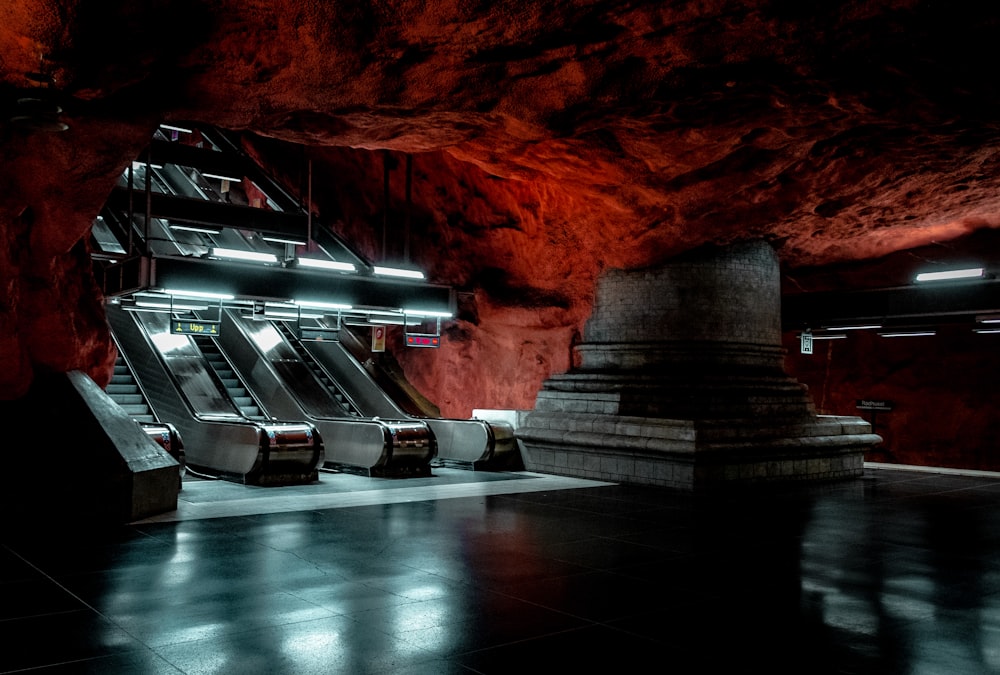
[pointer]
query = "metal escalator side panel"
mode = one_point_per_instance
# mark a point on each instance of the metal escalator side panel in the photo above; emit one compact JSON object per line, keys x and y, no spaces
{"x":312,"y":396}
{"x":227,"y":444}
{"x":467,"y":441}
{"x":354,"y":379}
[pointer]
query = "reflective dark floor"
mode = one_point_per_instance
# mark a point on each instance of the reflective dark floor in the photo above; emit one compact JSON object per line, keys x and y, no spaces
{"x":895,"y":572}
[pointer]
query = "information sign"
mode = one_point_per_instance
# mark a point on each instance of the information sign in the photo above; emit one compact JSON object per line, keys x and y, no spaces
{"x":178,"y":327}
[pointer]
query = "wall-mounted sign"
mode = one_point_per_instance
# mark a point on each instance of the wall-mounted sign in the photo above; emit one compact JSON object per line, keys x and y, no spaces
{"x":873,"y":404}
{"x":806,"y":342}
{"x":194,"y":327}
{"x":423,"y":340}
{"x":378,"y":338}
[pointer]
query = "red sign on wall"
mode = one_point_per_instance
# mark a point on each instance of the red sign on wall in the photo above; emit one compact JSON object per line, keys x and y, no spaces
{"x":378,"y":338}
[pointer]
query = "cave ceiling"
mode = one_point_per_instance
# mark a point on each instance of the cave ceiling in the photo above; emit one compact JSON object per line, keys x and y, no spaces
{"x":550,"y":140}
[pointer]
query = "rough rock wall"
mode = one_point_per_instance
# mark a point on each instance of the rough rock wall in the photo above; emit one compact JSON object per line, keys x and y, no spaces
{"x":550,"y":140}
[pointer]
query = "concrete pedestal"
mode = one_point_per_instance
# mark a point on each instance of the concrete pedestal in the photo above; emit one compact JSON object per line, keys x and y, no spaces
{"x":682,"y":384}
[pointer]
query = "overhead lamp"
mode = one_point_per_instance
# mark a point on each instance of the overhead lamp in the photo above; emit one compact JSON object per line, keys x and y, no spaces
{"x":285,"y":240}
{"x":988,"y":318}
{"x":198,"y":294}
{"x":986,"y":331}
{"x":397,"y":272}
{"x":837,"y":336}
{"x":238,"y":254}
{"x":171,"y":127}
{"x":858,"y":327}
{"x":143,"y":165}
{"x":322,"y":305}
{"x":910,"y":333}
{"x":219,"y":176}
{"x":325,"y":264}
{"x":948,"y":275}
{"x":427,"y":312}
{"x":204,"y":229}
{"x":169,"y":305}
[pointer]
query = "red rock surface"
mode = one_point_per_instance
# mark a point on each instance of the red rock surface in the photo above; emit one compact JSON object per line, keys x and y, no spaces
{"x":550,"y":141}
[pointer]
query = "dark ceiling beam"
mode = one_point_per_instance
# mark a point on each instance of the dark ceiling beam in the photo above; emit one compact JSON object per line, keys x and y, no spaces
{"x":202,"y":212}
{"x":918,"y":304}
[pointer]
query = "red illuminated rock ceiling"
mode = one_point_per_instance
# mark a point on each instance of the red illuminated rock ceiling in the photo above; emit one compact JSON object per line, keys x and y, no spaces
{"x":549,"y":141}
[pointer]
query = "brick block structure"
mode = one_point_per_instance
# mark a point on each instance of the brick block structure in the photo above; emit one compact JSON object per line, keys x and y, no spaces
{"x":682,"y":384}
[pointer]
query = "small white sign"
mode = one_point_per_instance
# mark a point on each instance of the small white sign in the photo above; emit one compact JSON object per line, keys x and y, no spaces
{"x":806,"y":343}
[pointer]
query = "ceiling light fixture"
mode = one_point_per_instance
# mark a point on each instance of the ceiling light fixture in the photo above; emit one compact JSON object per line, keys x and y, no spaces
{"x":198,"y":294}
{"x":219,"y":176}
{"x":914,"y":333}
{"x":325,"y":264}
{"x":204,"y":229}
{"x":284,"y":240}
{"x":948,"y":275}
{"x":859,"y":327}
{"x":171,"y":127}
{"x":322,"y":305}
{"x":397,"y":272}
{"x":427,"y":312}
{"x":238,"y":254}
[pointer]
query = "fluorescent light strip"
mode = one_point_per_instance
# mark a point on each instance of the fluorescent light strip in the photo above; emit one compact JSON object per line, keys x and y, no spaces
{"x":325,"y":264}
{"x":142,"y":165}
{"x":170,"y":127}
{"x":279,"y":240}
{"x":237,"y":254}
{"x":970,"y":273}
{"x":198,"y":294}
{"x":909,"y":334}
{"x":168,"y":305}
{"x":219,"y":176}
{"x":394,"y":322}
{"x":427,"y":312}
{"x":866,"y":327}
{"x":195,"y":228}
{"x":396,"y":272}
{"x":986,"y":331}
{"x":322,"y":305}
{"x":829,"y":337}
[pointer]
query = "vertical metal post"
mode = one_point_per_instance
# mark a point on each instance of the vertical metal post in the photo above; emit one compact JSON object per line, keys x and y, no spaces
{"x":409,"y":202}
{"x":131,"y":211}
{"x":309,"y":201}
{"x":385,"y":207}
{"x":149,"y":199}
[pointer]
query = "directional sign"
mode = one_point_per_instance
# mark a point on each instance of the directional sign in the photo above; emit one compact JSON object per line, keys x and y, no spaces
{"x":423,"y":340}
{"x":178,"y":327}
{"x":806,"y":343}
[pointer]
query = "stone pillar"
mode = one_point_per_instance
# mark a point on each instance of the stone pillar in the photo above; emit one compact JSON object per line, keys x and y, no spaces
{"x":682,"y":383}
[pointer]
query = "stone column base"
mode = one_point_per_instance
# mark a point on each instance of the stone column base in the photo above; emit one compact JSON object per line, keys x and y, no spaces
{"x":692,"y":454}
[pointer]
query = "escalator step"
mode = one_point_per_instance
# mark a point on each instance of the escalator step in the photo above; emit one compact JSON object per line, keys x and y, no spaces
{"x":115,"y":388}
{"x":136,"y":408}
{"x":251,"y":411}
{"x":144,"y":418}
{"x":128,"y":399}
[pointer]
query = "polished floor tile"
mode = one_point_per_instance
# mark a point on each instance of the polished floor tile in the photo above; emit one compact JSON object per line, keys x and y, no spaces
{"x":473,"y":572}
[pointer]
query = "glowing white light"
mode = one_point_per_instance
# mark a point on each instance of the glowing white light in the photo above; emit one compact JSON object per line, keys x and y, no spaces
{"x":237,"y":254}
{"x":171,"y":127}
{"x":142,"y":165}
{"x":860,"y":327}
{"x":427,"y":312}
{"x":282,"y":240}
{"x":195,"y":228}
{"x":987,"y":331}
{"x":829,"y":337}
{"x":198,"y":294}
{"x":970,"y":273}
{"x":322,"y":305}
{"x":396,"y":272}
{"x":326,"y":264}
{"x":909,"y":334}
{"x":219,"y":176}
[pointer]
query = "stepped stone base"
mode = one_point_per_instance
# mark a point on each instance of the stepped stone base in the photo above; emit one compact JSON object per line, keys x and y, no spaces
{"x":691,"y":454}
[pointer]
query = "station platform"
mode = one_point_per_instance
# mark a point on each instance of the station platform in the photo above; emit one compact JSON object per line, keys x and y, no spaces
{"x":475,"y":572}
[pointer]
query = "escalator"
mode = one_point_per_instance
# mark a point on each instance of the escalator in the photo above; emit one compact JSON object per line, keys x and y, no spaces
{"x":126,"y":392}
{"x":292,"y":384}
{"x":473,"y":443}
{"x":180,"y":387}
{"x":248,"y":405}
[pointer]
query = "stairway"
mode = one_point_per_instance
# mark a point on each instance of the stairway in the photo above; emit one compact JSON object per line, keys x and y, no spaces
{"x":124,"y":390}
{"x":239,"y":394}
